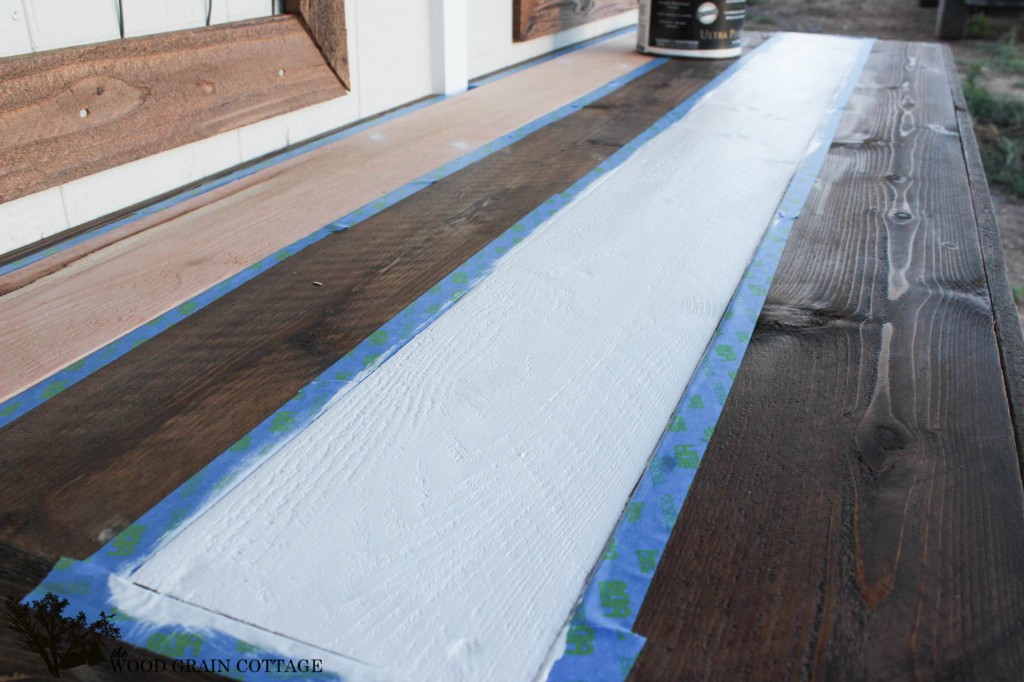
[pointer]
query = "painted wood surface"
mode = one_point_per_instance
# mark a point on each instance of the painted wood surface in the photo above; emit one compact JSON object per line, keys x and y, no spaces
{"x":459,"y":496}
{"x":68,"y":463}
{"x":224,"y":11}
{"x":145,"y":17}
{"x":449,"y":51}
{"x":129,"y":99}
{"x":14,"y":36}
{"x":93,"y":300}
{"x":535,"y":18}
{"x":393,"y":56}
{"x":66,"y":23}
{"x":858,"y":514}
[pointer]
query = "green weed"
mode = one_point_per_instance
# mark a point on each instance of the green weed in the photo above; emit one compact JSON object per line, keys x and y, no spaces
{"x":999,"y":124}
{"x":979,"y":26}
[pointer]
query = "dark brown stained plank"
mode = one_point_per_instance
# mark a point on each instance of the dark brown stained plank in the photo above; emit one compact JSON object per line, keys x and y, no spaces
{"x":146,"y":95}
{"x":325,"y":20}
{"x":535,"y":18}
{"x":859,"y":512}
{"x":98,"y":455}
{"x":1008,"y":324}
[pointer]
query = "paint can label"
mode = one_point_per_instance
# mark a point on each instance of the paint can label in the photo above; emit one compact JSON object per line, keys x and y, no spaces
{"x":688,"y":27}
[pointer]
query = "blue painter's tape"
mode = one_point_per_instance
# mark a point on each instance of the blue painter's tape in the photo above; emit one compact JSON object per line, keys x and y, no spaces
{"x":88,"y":588}
{"x":596,"y":630}
{"x":34,"y":396}
{"x":86,"y":583}
{"x":619,"y":584}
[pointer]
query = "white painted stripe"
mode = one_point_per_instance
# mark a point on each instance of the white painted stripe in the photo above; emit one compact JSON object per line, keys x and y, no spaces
{"x":440,"y":519}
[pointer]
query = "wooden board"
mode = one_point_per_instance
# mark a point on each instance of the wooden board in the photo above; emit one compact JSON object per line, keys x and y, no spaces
{"x":858,"y":514}
{"x":577,"y":345}
{"x":1007,"y":319}
{"x":535,"y":18}
{"x":92,"y":459}
{"x":94,"y":297}
{"x":325,"y":20}
{"x":74,"y":112}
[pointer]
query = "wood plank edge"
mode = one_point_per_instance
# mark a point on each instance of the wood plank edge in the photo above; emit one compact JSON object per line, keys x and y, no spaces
{"x":336,"y":56}
{"x":1009,"y":337}
{"x":129,"y":211}
{"x":205,"y":37}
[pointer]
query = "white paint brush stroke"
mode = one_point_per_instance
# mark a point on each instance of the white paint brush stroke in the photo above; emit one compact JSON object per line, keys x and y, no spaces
{"x":440,"y":519}
{"x":163,"y":612}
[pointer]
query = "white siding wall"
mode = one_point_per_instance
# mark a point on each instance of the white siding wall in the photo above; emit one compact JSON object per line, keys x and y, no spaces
{"x":399,"y":51}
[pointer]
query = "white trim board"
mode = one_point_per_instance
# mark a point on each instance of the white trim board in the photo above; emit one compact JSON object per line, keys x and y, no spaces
{"x":440,"y":519}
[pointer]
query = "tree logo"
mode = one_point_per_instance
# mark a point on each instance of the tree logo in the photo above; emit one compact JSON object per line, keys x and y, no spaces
{"x":62,"y":642}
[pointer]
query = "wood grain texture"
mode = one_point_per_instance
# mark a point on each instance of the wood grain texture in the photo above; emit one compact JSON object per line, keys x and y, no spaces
{"x":535,"y":18}
{"x":146,"y":95}
{"x":859,"y":512}
{"x":97,"y":296}
{"x":1008,"y":323}
{"x":325,"y":20}
{"x":93,"y":458}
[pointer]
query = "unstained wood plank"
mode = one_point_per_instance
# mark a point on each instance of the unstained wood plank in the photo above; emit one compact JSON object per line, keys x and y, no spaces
{"x":89,"y":296}
{"x":70,"y":113}
{"x":535,"y":18}
{"x":92,"y":459}
{"x":859,"y":512}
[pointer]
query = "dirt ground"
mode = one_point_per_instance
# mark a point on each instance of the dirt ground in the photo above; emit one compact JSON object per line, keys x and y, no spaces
{"x":906,"y":20}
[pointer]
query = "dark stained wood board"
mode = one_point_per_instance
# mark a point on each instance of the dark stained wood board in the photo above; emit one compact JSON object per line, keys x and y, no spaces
{"x":95,"y":457}
{"x":1008,"y":325}
{"x":859,"y":512}
{"x":535,"y":18}
{"x":146,"y":95}
{"x":325,"y":20}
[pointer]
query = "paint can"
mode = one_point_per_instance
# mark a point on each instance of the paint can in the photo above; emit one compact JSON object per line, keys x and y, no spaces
{"x":706,"y":29}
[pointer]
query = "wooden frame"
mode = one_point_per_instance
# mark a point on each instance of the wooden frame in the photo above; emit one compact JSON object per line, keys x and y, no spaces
{"x":325,"y":20}
{"x":534,"y":18}
{"x":72,"y":112}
